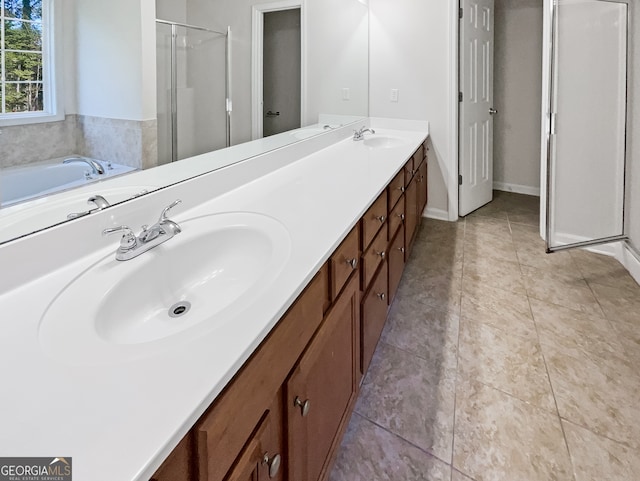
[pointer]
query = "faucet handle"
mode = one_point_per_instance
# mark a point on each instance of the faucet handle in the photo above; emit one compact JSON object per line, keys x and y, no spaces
{"x":163,"y":216}
{"x":128,"y":240}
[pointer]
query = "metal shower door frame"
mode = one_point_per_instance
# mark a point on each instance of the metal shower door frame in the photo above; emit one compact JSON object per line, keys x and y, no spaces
{"x":174,"y":80}
{"x":551,"y":131}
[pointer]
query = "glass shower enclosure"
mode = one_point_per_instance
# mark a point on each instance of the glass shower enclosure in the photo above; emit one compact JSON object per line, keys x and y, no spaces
{"x":193,"y":90}
{"x":587,"y":131}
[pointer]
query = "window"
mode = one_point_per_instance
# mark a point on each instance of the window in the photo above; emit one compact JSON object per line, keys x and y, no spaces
{"x":24,"y":63}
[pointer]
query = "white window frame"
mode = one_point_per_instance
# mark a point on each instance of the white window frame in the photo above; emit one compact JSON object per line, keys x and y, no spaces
{"x":51,"y":59}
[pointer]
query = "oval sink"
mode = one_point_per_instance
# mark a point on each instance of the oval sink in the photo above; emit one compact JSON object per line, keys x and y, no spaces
{"x":383,"y":142}
{"x":189,"y":285}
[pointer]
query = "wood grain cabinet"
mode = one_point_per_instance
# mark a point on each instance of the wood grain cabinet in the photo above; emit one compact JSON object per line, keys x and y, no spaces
{"x":283,"y":414}
{"x":322,"y":389}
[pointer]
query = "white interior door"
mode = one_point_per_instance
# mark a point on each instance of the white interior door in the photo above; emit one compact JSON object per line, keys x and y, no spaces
{"x":586,"y":164}
{"x":476,"y":106}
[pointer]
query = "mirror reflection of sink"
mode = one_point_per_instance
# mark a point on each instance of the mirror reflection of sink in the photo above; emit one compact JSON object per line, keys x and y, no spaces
{"x":189,"y":285}
{"x":382,"y":142}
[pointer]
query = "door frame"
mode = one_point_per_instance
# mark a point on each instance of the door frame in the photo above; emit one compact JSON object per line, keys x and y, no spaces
{"x":257,"y":43}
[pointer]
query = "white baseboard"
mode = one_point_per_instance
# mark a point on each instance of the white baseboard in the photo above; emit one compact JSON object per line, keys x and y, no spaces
{"x":438,"y":214}
{"x":629,"y":260}
{"x":516,"y":188}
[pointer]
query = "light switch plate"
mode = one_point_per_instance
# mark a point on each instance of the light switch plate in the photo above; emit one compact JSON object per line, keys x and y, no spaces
{"x":394,"y":95}
{"x":346,"y":94}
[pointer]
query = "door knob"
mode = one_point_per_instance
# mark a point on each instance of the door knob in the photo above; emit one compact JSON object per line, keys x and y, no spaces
{"x":272,"y":114}
{"x":493,"y":111}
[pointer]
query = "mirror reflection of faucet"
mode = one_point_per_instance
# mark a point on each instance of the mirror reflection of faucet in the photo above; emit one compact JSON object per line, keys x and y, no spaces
{"x":97,"y":200}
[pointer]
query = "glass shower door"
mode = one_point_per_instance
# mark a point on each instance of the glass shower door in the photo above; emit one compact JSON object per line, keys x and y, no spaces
{"x":587,"y":131}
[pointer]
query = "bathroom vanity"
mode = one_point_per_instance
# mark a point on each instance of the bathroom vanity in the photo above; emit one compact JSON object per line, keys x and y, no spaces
{"x":259,"y":378}
{"x":284,"y":413}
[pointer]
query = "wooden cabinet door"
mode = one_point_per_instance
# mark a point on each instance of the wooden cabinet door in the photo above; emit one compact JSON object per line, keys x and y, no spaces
{"x":262,"y":457}
{"x":422,"y":187}
{"x":321,"y":390}
{"x":179,"y":465}
{"x":411,"y":217}
{"x":374,"y":315}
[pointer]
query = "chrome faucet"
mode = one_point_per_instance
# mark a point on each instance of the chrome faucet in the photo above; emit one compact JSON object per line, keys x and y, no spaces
{"x":96,"y":167}
{"x":97,"y":200}
{"x":359,"y":134}
{"x":132,"y":246}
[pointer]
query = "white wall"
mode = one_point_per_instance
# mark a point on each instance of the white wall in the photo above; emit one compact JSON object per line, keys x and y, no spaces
{"x":115,"y":59}
{"x":410,"y":50}
{"x":517,"y":95}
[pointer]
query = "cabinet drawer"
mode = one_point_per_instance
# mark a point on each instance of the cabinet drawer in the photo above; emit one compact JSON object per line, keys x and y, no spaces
{"x":373,"y":219}
{"x":396,"y":217}
{"x":344,"y":261}
{"x":396,"y":262}
{"x":373,"y":256}
{"x":374,"y":315}
{"x":396,"y":189}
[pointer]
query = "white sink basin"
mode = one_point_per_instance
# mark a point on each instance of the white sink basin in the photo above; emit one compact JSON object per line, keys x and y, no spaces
{"x":382,"y":142}
{"x":192,"y":284}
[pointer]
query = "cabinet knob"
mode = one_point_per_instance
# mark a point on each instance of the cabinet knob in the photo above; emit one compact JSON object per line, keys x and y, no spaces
{"x":382,"y":254}
{"x":401,"y":249}
{"x":382,"y":296}
{"x":401,"y":217}
{"x":273,"y":462}
{"x":353,"y":263}
{"x":381,"y":219}
{"x":303,"y":405}
{"x":402,"y":189}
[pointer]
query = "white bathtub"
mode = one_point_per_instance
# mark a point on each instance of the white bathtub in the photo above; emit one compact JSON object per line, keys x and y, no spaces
{"x":18,"y":184}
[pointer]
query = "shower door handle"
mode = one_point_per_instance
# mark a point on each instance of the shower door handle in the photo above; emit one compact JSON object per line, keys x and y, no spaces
{"x":272,"y":114}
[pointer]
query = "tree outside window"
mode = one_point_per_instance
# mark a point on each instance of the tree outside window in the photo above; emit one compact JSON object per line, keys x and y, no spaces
{"x":21,"y":58}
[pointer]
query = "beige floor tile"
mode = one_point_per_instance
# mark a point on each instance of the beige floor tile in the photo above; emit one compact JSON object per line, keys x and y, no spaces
{"x":500,"y":438}
{"x":498,"y":308}
{"x":424,"y":331}
{"x":561,"y":289}
{"x":458,"y":476}
{"x":529,"y":218}
{"x":619,"y":304}
{"x":501,"y":275}
{"x":411,"y":398}
{"x":600,"y":394}
{"x":534,"y":255}
{"x":441,"y":290}
{"x":596,"y":458}
{"x":575,"y":333}
{"x":523,"y":234}
{"x":370,"y":453}
{"x":500,"y":249}
{"x":601,"y":269}
{"x":504,"y":361}
{"x":489,"y":227}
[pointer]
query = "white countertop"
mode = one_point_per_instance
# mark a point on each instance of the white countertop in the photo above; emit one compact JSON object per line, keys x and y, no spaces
{"x":119,"y":421}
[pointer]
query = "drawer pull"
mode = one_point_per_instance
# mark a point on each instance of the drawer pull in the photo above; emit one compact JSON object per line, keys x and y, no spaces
{"x":353,"y":263}
{"x":382,"y":296}
{"x":382,"y":219}
{"x":382,"y":254}
{"x":304,"y":406}
{"x":273,"y":463}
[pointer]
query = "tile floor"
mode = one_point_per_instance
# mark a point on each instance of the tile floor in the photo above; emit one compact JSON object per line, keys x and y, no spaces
{"x":500,"y":362}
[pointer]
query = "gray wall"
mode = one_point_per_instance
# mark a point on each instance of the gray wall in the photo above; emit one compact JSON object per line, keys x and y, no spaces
{"x":517,"y":93}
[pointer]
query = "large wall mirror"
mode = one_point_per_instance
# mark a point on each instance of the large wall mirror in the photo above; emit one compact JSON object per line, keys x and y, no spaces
{"x":106,"y":101}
